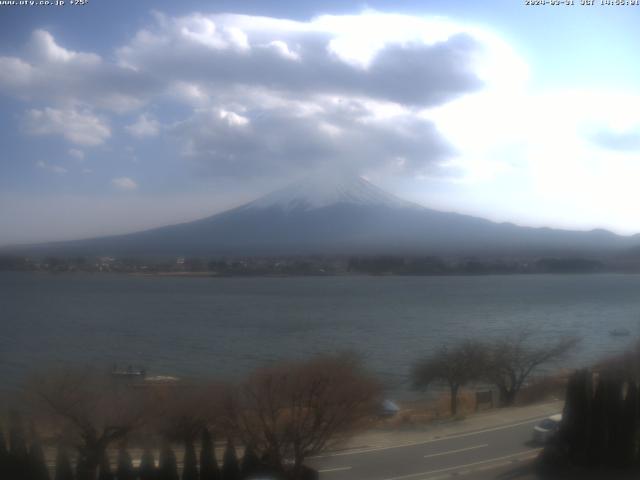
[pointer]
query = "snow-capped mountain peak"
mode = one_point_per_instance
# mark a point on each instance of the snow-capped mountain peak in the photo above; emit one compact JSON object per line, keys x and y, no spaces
{"x":320,"y":191}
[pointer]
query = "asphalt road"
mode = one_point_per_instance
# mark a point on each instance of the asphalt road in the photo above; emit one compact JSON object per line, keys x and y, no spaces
{"x":472,"y":452}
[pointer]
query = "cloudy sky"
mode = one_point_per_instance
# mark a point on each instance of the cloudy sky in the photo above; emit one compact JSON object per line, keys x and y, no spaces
{"x":117,"y":116}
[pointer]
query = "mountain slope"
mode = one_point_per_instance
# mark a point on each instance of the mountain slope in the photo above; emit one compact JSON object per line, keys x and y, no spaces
{"x":341,"y":215}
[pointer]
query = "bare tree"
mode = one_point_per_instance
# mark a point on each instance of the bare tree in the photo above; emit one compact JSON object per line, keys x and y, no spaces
{"x":294,"y":410}
{"x":92,"y":408}
{"x":453,"y":366}
{"x":509,"y":361}
{"x":183,"y":411}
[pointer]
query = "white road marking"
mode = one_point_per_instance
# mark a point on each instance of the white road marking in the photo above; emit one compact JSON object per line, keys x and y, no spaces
{"x":337,"y":469}
{"x":457,"y":451}
{"x":441,"y":439}
{"x":467,"y":465}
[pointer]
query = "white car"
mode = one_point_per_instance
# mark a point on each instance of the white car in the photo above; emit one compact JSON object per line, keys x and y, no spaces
{"x":547,"y":428}
{"x":388,"y":408}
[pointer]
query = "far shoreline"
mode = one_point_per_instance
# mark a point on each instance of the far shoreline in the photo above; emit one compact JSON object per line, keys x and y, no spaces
{"x":357,"y":275}
{"x":169,"y":274}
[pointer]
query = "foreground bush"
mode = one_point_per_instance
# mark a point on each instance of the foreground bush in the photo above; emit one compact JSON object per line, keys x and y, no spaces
{"x":600,"y":426}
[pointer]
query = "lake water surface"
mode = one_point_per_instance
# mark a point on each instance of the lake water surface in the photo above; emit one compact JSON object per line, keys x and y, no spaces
{"x":227,"y":326}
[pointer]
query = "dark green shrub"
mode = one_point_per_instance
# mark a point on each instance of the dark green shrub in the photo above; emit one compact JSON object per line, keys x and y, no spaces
{"x":125,"y":470}
{"x":37,"y":464}
{"x":63,"y":465}
{"x":230,"y":467}
{"x":209,"y":469}
{"x":148,"y":470}
{"x":190,"y":468}
{"x":104,"y":470}
{"x":250,"y":463}
{"x":168,"y":469}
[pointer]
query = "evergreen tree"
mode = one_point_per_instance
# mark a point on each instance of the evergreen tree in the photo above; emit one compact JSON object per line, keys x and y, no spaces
{"x":576,"y":418}
{"x":630,"y":432}
{"x":209,"y":469}
{"x":570,"y":416}
{"x":637,"y":462}
{"x":168,"y":465}
{"x":615,"y":420}
{"x":125,"y":469}
{"x":18,"y":460}
{"x":82,"y":471}
{"x":17,"y":440}
{"x":63,"y":465}
{"x":270,"y":467}
{"x":148,"y":469}
{"x":105,"y":468}
{"x":230,"y":467}
{"x":250,"y":463}
{"x":599,"y":432}
{"x":190,"y":463}
{"x":37,"y":463}
{"x":4,"y":456}
{"x":308,"y":473}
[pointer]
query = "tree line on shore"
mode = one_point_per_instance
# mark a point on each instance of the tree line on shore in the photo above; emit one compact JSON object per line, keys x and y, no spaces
{"x":313,"y":265}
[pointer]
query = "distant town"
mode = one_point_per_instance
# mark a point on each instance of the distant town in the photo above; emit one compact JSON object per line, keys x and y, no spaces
{"x":319,"y":265}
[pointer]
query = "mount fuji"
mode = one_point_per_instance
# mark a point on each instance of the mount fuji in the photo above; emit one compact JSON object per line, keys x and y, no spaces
{"x":340,"y":214}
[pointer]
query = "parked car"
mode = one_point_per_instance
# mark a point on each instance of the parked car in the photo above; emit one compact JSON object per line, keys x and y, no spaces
{"x":388,"y":408}
{"x":547,"y":428}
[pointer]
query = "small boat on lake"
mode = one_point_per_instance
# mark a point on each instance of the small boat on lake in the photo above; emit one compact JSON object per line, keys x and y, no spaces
{"x":619,"y":332}
{"x":129,"y":372}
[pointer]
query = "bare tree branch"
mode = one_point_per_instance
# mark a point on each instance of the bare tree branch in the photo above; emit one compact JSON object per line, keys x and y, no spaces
{"x":294,"y":410}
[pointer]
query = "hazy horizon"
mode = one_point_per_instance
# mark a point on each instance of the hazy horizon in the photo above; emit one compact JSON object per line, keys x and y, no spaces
{"x":118,"y":118}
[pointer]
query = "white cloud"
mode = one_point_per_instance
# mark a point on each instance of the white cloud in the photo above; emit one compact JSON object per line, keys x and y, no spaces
{"x":412,"y":61}
{"x":283,"y":49}
{"x":314,"y":92}
{"x":44,"y":48}
{"x":14,"y":73}
{"x":124,"y":183}
{"x":203,"y":30}
{"x":54,"y":74}
{"x":286,"y":93}
{"x":297,"y":136}
{"x":78,"y":127}
{"x":192,"y":94}
{"x":144,"y":126}
{"x":51,"y":167}
{"x":272,"y":95}
{"x":76,"y":153}
{"x":233,"y":119}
